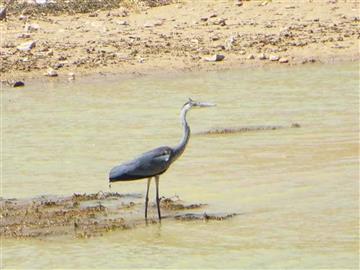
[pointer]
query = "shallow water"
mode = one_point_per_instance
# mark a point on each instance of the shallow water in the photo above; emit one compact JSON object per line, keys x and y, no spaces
{"x":296,"y":189}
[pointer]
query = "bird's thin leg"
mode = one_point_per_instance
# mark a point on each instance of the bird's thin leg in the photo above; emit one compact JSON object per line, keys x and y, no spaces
{"x":147,"y":197}
{"x":157,"y":196}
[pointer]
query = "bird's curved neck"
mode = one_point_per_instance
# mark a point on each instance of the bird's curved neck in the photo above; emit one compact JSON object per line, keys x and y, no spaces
{"x":179,"y":149}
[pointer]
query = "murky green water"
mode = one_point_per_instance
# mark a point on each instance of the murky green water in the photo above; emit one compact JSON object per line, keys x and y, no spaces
{"x":296,"y":189}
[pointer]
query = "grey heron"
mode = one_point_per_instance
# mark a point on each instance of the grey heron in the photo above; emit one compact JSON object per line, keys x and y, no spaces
{"x":155,"y":162}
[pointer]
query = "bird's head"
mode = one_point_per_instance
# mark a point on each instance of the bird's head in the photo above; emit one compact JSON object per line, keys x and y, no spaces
{"x":196,"y":104}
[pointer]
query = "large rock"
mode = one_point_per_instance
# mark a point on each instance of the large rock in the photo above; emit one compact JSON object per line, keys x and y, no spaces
{"x":26,"y":46}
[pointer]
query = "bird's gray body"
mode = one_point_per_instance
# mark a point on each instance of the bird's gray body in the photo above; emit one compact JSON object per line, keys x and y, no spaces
{"x":149,"y":164}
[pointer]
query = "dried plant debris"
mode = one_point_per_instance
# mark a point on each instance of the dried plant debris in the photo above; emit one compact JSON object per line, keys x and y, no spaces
{"x":58,"y":7}
{"x":229,"y":130}
{"x":86,"y":215}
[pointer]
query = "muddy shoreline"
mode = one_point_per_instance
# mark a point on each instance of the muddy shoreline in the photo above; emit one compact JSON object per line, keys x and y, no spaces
{"x":179,"y":37}
{"x":89,"y":215}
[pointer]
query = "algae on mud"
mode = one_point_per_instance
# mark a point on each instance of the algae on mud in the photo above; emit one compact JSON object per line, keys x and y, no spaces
{"x":86,"y":215}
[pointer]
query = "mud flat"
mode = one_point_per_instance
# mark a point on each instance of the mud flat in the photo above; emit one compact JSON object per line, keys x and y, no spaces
{"x":87,"y":215}
{"x":179,"y":36}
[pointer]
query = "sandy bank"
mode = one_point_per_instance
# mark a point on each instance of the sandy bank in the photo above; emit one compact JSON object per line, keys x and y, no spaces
{"x":180,"y":36}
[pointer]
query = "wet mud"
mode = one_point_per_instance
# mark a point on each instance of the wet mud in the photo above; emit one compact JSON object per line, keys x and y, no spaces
{"x":88,"y":215}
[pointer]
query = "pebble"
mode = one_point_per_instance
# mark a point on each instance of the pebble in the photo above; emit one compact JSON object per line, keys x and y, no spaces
{"x":31,"y":27}
{"x":51,"y":73}
{"x":215,"y":58}
{"x":2,"y":13}
{"x":23,"y":35}
{"x":283,"y":60}
{"x":153,"y":23}
{"x":239,"y":3}
{"x":71,"y":76}
{"x":221,"y":22}
{"x":27,"y":46}
{"x":262,"y":56}
{"x":122,"y":23}
{"x":251,"y":56}
{"x":274,"y":58}
{"x":23,"y":17}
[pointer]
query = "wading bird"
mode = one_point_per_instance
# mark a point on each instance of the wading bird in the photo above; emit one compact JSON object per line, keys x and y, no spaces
{"x":156,"y":162}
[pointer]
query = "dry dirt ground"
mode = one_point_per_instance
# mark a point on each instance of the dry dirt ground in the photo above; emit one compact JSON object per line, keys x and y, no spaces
{"x":179,"y":37}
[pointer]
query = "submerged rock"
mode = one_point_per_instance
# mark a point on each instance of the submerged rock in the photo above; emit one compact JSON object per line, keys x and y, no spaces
{"x":17,"y":84}
{"x":229,"y":130}
{"x":204,"y":216}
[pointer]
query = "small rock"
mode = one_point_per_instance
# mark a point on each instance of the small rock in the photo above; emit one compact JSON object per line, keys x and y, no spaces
{"x":31,"y":27}
{"x":17,"y":84}
{"x":251,"y":57}
{"x":242,"y":52}
{"x":27,"y":46}
{"x":215,"y":37}
{"x":229,"y":42}
{"x":283,"y":60}
{"x":274,"y":58}
{"x":58,"y":65}
{"x":2,"y":13}
{"x":51,"y":73}
{"x":215,"y":58}
{"x":50,"y":53}
{"x":153,"y":23}
{"x":122,"y":23}
{"x":8,"y":44}
{"x":93,"y":14}
{"x":239,"y":3}
{"x":204,"y":19}
{"x":262,"y":56}
{"x":23,"y":17}
{"x":23,"y":35}
{"x":221,"y":22}
{"x":71,"y":76}
{"x":213,"y":15}
{"x":309,"y":60}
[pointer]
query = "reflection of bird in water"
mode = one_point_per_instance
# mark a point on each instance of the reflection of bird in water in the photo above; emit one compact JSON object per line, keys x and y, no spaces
{"x":155,"y":162}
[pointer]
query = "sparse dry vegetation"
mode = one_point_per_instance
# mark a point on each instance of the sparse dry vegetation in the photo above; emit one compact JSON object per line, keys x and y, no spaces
{"x":59,"y":7}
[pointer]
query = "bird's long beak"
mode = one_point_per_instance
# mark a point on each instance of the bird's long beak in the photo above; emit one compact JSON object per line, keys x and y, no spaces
{"x":205,"y":104}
